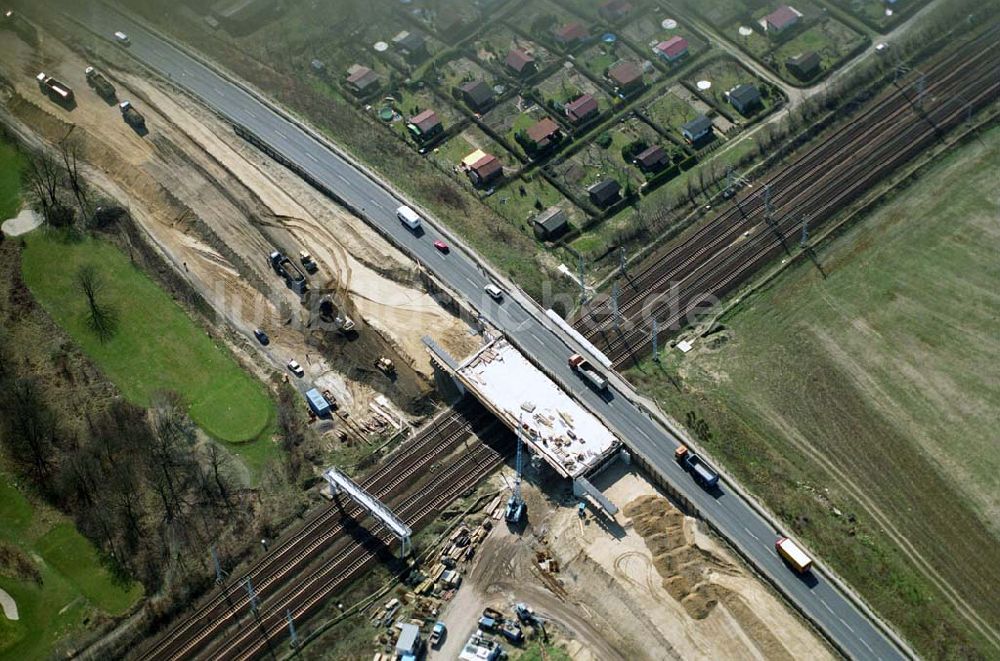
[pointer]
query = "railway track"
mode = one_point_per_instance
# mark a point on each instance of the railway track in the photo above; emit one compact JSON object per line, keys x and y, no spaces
{"x":400,"y":469}
{"x":809,"y":176}
{"x":269,"y":624}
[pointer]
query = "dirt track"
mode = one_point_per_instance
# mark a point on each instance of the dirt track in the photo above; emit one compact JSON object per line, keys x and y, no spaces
{"x":216,"y":207}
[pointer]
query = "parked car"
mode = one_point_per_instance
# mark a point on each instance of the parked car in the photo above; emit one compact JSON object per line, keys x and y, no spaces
{"x":441,"y":245}
{"x":881,"y":48}
{"x":495,"y":292}
{"x":122,"y":38}
{"x":261,"y":336}
{"x":295,"y":368}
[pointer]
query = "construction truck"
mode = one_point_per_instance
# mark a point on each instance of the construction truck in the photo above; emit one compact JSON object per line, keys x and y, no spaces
{"x":793,"y":555}
{"x":582,"y":366}
{"x":329,"y":313}
{"x":100,"y":84}
{"x":284,"y":267}
{"x":132,"y":116}
{"x":58,"y":92}
{"x":386,"y":366}
{"x":703,"y":474}
{"x":516,"y":508}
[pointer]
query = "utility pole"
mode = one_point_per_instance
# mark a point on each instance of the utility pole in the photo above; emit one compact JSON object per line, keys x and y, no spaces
{"x":614,"y":304}
{"x":921,"y":88}
{"x":621,"y":259}
{"x":805,"y":233}
{"x":583,"y":284}
{"x":219,"y":574}
{"x":253,"y":596}
{"x":656,"y":351}
{"x":291,"y":628}
{"x":768,"y":206}
{"x":729,"y":181}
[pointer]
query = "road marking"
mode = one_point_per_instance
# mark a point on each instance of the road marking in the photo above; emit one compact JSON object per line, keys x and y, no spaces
{"x":311,"y":157}
{"x":469,"y":280}
{"x":641,"y":431}
{"x":826,"y":606}
{"x":850,"y":628}
{"x":751,"y":534}
{"x":867,"y":646}
{"x":251,"y":114}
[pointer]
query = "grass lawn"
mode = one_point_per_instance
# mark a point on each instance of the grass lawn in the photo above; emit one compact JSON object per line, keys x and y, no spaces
{"x":11,"y":162}
{"x":541,"y":652}
{"x":669,"y":111}
{"x":156,"y":346}
{"x":75,"y":587}
{"x":831,"y":39}
{"x":725,"y":74}
{"x":865,"y":402}
{"x":518,"y":201}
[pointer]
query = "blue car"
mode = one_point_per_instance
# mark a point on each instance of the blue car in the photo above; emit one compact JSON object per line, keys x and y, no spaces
{"x":261,"y":336}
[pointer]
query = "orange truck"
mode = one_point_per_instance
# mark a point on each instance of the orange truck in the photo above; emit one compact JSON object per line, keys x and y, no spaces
{"x":793,"y":555}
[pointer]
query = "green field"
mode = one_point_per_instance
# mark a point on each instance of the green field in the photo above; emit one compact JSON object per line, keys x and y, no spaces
{"x":75,"y":587}
{"x":156,"y":346}
{"x":861,"y":406}
{"x":11,"y":162}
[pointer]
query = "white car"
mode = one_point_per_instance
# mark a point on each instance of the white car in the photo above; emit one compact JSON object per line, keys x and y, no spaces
{"x":295,"y":368}
{"x":881,"y":47}
{"x":495,"y":292}
{"x":122,"y":38}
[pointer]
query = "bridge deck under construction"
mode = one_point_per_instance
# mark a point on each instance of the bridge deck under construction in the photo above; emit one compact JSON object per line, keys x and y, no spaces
{"x":555,"y":426}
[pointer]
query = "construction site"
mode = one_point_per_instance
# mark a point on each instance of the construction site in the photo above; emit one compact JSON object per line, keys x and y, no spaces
{"x":478,"y":482}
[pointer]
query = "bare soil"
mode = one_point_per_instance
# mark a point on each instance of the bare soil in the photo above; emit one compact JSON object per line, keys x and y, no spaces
{"x":216,"y":207}
{"x":646,"y":584}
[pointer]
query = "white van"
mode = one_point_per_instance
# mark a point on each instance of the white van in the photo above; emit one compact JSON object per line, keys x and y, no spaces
{"x":122,"y":38}
{"x":408,"y":217}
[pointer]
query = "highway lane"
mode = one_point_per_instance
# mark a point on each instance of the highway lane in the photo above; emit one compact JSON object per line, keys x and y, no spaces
{"x":736,"y":519}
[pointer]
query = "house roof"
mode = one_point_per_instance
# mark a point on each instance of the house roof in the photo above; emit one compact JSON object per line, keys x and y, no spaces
{"x":551,"y":219}
{"x":487,"y":166}
{"x":625,"y":73}
{"x":517,"y":59}
{"x":478,"y":92}
{"x":581,"y":107}
{"x":425,"y":120}
{"x":651,"y":156}
{"x":806,"y":61}
{"x":699,"y":124}
{"x":744,"y":94}
{"x":781,"y":17}
{"x":361,"y":76}
{"x":408,"y":636}
{"x":410,"y":41}
{"x":673,"y":46}
{"x":543,"y":129}
{"x":605,"y":190}
{"x":573,"y":31}
{"x":615,"y":7}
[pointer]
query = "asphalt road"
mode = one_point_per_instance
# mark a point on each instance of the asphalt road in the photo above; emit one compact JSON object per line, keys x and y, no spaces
{"x":815,"y":595}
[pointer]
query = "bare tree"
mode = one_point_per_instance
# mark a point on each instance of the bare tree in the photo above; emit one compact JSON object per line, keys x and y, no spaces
{"x":102,"y":318}
{"x":70,"y":149}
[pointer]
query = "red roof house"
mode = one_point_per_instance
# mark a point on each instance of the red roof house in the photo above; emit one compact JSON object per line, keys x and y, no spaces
{"x":581,"y":108}
{"x":781,"y":18}
{"x":543,"y":133}
{"x":571,"y":33}
{"x":672,"y":49}
{"x":521,"y":62}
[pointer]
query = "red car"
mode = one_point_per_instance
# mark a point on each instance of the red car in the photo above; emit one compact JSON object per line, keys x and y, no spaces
{"x":441,"y":245}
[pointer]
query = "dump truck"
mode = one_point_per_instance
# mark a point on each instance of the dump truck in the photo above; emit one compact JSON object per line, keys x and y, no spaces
{"x":703,"y":474}
{"x":583,"y":367}
{"x":284,"y":267}
{"x":437,"y":634}
{"x":55,"y":90}
{"x":512,"y":632}
{"x":793,"y":555}
{"x":100,"y":84}
{"x":132,"y":116}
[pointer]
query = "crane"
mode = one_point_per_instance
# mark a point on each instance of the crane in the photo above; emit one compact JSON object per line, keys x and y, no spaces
{"x":516,"y":507}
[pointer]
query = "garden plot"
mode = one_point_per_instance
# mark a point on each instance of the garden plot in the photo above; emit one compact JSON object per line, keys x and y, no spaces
{"x":492,"y":48}
{"x":596,"y":163}
{"x":449,"y":19}
{"x":724,"y":74}
{"x":566,"y":85}
{"x":450,"y":154}
{"x":522,"y":199}
{"x":879,"y":14}
{"x":830,"y":39}
{"x":671,"y":109}
{"x":406,"y":101}
{"x":456,"y":72}
{"x":511,"y":116}
{"x":648,"y":30}
{"x":542,"y":19}
{"x":602,"y":56}
{"x":720,"y":12}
